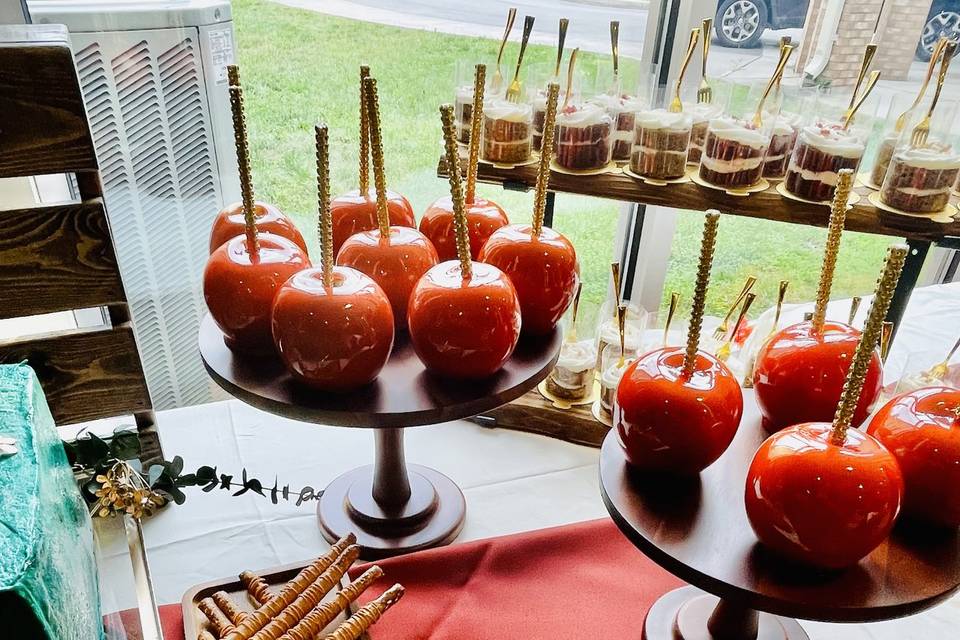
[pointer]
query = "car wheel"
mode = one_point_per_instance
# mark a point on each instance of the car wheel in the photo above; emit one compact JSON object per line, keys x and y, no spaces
{"x":740,"y":23}
{"x":942,"y":24}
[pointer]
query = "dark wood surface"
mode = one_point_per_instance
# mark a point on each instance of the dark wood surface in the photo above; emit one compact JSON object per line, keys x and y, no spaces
{"x":43,"y":122}
{"x":85,"y":373}
{"x":532,"y":413}
{"x":404,"y":395}
{"x":698,"y":530}
{"x":56,"y":258}
{"x":766,"y":205}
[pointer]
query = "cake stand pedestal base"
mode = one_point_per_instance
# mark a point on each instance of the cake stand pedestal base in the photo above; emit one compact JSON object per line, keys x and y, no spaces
{"x":691,"y":614}
{"x":392,"y":507}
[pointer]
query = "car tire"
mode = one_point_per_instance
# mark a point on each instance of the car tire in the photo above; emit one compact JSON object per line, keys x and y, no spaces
{"x":740,"y":23}
{"x":939,"y":23}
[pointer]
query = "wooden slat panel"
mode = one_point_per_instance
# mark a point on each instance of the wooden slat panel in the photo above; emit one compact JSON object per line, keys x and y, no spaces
{"x":56,"y":258}
{"x":767,"y":205}
{"x":533,"y":414}
{"x":86,"y":374}
{"x":43,"y":123}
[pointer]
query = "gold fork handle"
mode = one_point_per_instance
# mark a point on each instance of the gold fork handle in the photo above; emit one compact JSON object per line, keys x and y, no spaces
{"x":871,"y":83}
{"x":781,"y":65}
{"x":948,"y":52}
{"x":527,"y":30}
{"x":691,"y":47}
{"x":747,"y":286}
{"x":511,"y":16}
{"x":705,"y":27}
{"x":561,"y":39}
{"x":570,"y":66}
{"x":868,"y":54}
{"x":937,"y":52}
{"x":615,"y":47}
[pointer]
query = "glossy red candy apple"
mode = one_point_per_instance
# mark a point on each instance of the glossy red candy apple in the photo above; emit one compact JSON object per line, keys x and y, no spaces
{"x":229,"y":223}
{"x":543,"y":268}
{"x":483,"y":218}
{"x":239,"y":287}
{"x":395,"y":263}
{"x":667,"y":422}
{"x":800,"y":374}
{"x":922,"y":431}
{"x":464,"y":327}
{"x":334,"y":338}
{"x":354,"y":212}
{"x":819,"y":502}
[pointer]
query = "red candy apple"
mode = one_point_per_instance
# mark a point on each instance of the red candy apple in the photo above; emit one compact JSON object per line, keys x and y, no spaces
{"x":336,"y":337}
{"x":239,"y":287}
{"x":669,"y":422}
{"x":483,"y":218}
{"x":229,"y":223}
{"x":820,"y":502}
{"x":922,"y":431}
{"x":800,"y":374}
{"x":395,"y":262}
{"x":354,"y":212}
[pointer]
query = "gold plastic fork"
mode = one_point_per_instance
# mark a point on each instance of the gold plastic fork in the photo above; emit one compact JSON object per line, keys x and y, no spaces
{"x":675,"y":105}
{"x":918,"y":137}
{"x":934,"y":59}
{"x":721,"y":331}
{"x":497,"y":76}
{"x":515,"y":88}
{"x":774,"y":79}
{"x":615,"y":51}
{"x":868,"y":54}
{"x":705,"y":92}
{"x":871,"y":83}
{"x":939,"y":371}
{"x":724,"y":351}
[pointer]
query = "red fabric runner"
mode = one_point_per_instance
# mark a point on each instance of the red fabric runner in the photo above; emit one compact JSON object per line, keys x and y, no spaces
{"x":567,"y":583}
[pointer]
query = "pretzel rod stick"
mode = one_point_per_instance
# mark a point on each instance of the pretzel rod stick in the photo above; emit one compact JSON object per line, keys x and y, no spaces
{"x":227,"y":605}
{"x":307,"y":600}
{"x":221,"y":624}
{"x":322,"y":615}
{"x":259,"y":618}
{"x":256,"y":586}
{"x":205,"y":635}
{"x":368,"y":614}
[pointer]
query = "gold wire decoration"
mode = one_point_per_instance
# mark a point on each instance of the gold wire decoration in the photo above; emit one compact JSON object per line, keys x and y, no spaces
{"x":896,"y":255}
{"x":546,"y":153}
{"x":456,"y":190}
{"x":476,"y":123}
{"x":621,"y":321}
{"x":376,"y":150}
{"x":707,"y":246}
{"x":671,"y":312}
{"x":838,"y":213}
{"x":243,"y":165}
{"x":323,"y":203}
{"x":364,"y":176}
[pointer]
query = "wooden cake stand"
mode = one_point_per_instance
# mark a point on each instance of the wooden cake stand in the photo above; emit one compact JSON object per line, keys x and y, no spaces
{"x":697,"y":529}
{"x":391,"y":506}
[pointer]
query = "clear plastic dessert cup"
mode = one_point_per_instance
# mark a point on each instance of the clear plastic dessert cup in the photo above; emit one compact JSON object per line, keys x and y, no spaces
{"x":919,"y":179}
{"x":660,"y":143}
{"x":507,"y":131}
{"x":584,"y":137}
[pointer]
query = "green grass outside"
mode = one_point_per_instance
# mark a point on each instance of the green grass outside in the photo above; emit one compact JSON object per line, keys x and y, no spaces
{"x":300,"y":67}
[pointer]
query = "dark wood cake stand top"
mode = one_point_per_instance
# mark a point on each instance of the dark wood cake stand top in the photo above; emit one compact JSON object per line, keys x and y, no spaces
{"x":698,"y":530}
{"x":404,"y":395}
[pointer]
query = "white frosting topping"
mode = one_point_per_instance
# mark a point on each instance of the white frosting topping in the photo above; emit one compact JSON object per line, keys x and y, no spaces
{"x":584,"y":115}
{"x":577,"y":356}
{"x":612,"y":374}
{"x":730,"y":166}
{"x":832,"y":139}
{"x":703,"y":111}
{"x":786,"y":123}
{"x":610,"y":334}
{"x":826,"y":177}
{"x":737,"y":131}
{"x":618,"y":103}
{"x":663,"y":119}
{"x":928,"y":158}
{"x":499,"y":109}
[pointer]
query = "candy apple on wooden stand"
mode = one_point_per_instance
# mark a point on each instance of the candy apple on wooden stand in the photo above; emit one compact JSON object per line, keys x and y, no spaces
{"x":243,"y":274}
{"x":392,"y":507}
{"x":800,"y":370}
{"x":395,"y":257}
{"x":357,"y":210}
{"x":483,"y":216}
{"x":231,"y":220}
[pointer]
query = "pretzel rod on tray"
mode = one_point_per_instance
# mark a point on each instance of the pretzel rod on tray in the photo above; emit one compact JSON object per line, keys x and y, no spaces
{"x":218,"y":619}
{"x":227,"y":606}
{"x":368,"y":614}
{"x":256,"y":586}
{"x":205,"y":635}
{"x":322,"y":615}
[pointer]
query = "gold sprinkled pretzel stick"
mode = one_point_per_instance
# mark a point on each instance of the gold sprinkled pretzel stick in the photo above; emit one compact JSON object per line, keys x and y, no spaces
{"x":368,"y":614}
{"x":456,"y":191}
{"x":323,"y":203}
{"x":376,"y":149}
{"x":218,"y":619}
{"x":838,"y":213}
{"x":364,"y":176}
{"x":256,"y":586}
{"x":323,"y":614}
{"x":233,"y":613}
{"x":243,"y":166}
{"x":546,"y":154}
{"x":707,"y":246}
{"x":476,"y":123}
{"x":259,"y":618}
{"x":311,"y":597}
{"x":896,"y":255}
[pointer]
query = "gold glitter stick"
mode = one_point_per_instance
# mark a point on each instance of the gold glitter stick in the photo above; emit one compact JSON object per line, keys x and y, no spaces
{"x":243,"y":165}
{"x":476,"y":123}
{"x":364,"y":135}
{"x":707,"y":246}
{"x":838,"y":213}
{"x":456,"y":190}
{"x":376,"y":149}
{"x":546,"y":153}
{"x":323,"y":203}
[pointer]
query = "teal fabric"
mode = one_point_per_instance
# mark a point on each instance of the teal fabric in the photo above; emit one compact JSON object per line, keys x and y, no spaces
{"x":48,"y":572}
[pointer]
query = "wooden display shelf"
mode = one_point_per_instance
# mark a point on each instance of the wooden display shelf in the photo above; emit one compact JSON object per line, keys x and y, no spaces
{"x":533,"y":413}
{"x":863,"y":217}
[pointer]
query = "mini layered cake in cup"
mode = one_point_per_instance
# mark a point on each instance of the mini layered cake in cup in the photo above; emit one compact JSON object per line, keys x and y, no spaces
{"x":572,"y":377}
{"x":919,"y":179}
{"x":622,"y":109}
{"x":782,"y":141}
{"x":584,"y":134}
{"x":701,"y":114}
{"x":733,"y":153}
{"x":507,"y":131}
{"x":821,"y":151}
{"x":609,"y":380}
{"x":608,"y":339}
{"x":660,"y":144}
{"x":884,"y":154}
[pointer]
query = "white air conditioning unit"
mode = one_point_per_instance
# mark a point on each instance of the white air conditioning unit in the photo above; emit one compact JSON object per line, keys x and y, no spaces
{"x":154,"y":80}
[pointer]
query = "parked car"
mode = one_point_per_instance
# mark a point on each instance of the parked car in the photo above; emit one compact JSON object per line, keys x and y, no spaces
{"x":741,"y":23}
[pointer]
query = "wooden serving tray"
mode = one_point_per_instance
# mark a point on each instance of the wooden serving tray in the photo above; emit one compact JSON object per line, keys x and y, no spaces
{"x":194,"y":621}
